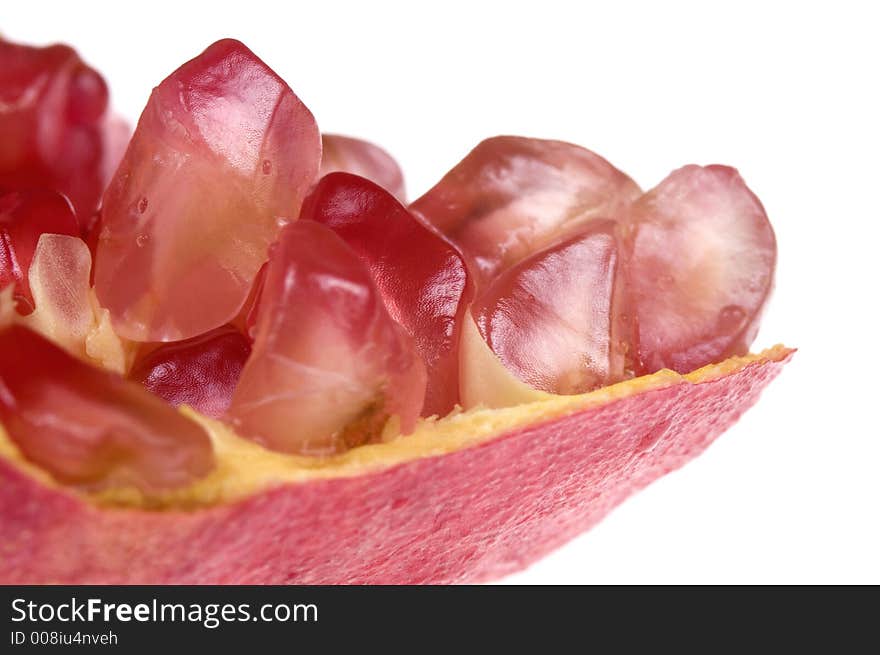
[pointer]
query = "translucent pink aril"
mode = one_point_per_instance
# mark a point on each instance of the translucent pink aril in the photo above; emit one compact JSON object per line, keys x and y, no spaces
{"x":200,"y":372}
{"x":557,"y":319}
{"x":700,"y":269}
{"x":329,"y":365}
{"x":350,"y":155}
{"x":423,"y":279}
{"x":220,"y":159}
{"x":53,"y":124}
{"x":512,"y":196}
{"x":92,"y":428}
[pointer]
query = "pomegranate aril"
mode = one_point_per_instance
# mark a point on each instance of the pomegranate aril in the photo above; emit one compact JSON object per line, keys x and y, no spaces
{"x":557,"y":319}
{"x":52,"y":123}
{"x":700,"y":268}
{"x":220,"y":159}
{"x":512,"y":196}
{"x":65,"y":310}
{"x":350,"y":155}
{"x":88,"y":97}
{"x":329,"y":364}
{"x":422,"y":278}
{"x":200,"y":372}
{"x":89,"y":427}
{"x":24,"y":216}
{"x":59,"y":278}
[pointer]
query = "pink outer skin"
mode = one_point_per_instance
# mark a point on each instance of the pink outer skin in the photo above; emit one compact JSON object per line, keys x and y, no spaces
{"x":472,"y":515}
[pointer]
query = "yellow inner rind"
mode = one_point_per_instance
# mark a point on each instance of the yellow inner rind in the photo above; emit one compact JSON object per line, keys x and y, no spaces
{"x":244,"y":468}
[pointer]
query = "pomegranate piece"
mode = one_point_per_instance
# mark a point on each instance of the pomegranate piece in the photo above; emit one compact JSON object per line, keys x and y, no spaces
{"x":329,"y":364}
{"x":220,"y":159}
{"x":422,"y":278}
{"x":200,"y":372}
{"x":512,"y":196}
{"x":556,"y":319}
{"x":52,"y":124}
{"x":24,"y":216}
{"x":350,"y":155}
{"x":90,"y":427}
{"x":700,"y":268}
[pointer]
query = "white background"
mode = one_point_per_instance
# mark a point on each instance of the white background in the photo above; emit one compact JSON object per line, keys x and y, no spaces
{"x":788,"y":93}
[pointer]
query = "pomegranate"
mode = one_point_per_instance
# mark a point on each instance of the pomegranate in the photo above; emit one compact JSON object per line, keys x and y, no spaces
{"x":277,"y":372}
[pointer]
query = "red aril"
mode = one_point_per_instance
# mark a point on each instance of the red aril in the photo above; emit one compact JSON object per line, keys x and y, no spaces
{"x":200,"y":372}
{"x":24,"y":216}
{"x":700,"y":268}
{"x":421,"y":277}
{"x":512,"y":196}
{"x":220,"y":159}
{"x":557,"y":319}
{"x":90,"y":427}
{"x":52,"y":124}
{"x":329,"y":365}
{"x":350,"y":155}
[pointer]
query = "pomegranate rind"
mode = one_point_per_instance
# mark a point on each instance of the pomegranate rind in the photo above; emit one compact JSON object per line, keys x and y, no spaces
{"x":472,"y":497}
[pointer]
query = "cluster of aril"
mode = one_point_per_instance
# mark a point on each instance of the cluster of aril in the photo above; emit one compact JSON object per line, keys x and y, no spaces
{"x":229,"y":257}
